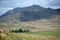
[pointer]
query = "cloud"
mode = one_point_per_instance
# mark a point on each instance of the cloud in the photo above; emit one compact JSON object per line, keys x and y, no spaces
{"x":3,"y":10}
{"x":42,"y":3}
{"x":17,"y":3}
{"x":6,"y":3}
{"x":23,"y":3}
{"x":53,"y":2}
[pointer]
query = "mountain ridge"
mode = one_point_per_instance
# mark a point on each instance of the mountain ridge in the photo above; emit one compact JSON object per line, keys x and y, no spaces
{"x":31,"y":13}
{"x":33,"y":18}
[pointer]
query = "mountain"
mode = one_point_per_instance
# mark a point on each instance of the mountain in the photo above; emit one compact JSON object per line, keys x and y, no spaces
{"x":34,"y":18}
{"x":31,"y":13}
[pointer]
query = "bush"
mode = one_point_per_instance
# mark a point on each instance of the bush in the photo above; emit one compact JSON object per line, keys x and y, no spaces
{"x":20,"y":30}
{"x":26,"y":31}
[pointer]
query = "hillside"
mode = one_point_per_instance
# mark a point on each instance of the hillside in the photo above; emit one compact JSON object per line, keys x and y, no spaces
{"x":34,"y":18}
{"x":31,"y":13}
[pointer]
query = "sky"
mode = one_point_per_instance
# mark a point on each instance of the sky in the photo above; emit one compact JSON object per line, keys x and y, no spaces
{"x":6,"y":5}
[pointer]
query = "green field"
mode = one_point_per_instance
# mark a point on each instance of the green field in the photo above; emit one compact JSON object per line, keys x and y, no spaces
{"x":54,"y":35}
{"x":46,"y":33}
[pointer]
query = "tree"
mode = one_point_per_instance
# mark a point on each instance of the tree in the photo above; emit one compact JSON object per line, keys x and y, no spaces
{"x":26,"y":31}
{"x":20,"y":30}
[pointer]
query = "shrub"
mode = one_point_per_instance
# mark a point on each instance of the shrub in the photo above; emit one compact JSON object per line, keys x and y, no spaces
{"x":26,"y":31}
{"x":20,"y":30}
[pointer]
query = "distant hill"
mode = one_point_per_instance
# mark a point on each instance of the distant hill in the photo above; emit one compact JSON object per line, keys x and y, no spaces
{"x":31,"y":13}
{"x":34,"y":18}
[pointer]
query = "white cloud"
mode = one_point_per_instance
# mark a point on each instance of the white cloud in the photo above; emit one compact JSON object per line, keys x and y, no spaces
{"x":3,"y":10}
{"x":6,"y":5}
{"x":53,"y":2}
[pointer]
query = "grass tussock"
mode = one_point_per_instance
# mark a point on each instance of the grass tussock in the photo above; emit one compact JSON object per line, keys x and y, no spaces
{"x":28,"y":36}
{"x":25,"y":36}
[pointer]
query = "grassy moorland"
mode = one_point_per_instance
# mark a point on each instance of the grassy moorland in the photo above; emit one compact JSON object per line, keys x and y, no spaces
{"x":32,"y":36}
{"x":43,"y":35}
{"x":46,"y":33}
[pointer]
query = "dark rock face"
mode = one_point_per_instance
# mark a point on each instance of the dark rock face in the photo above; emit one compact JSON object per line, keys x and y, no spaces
{"x":30,"y":13}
